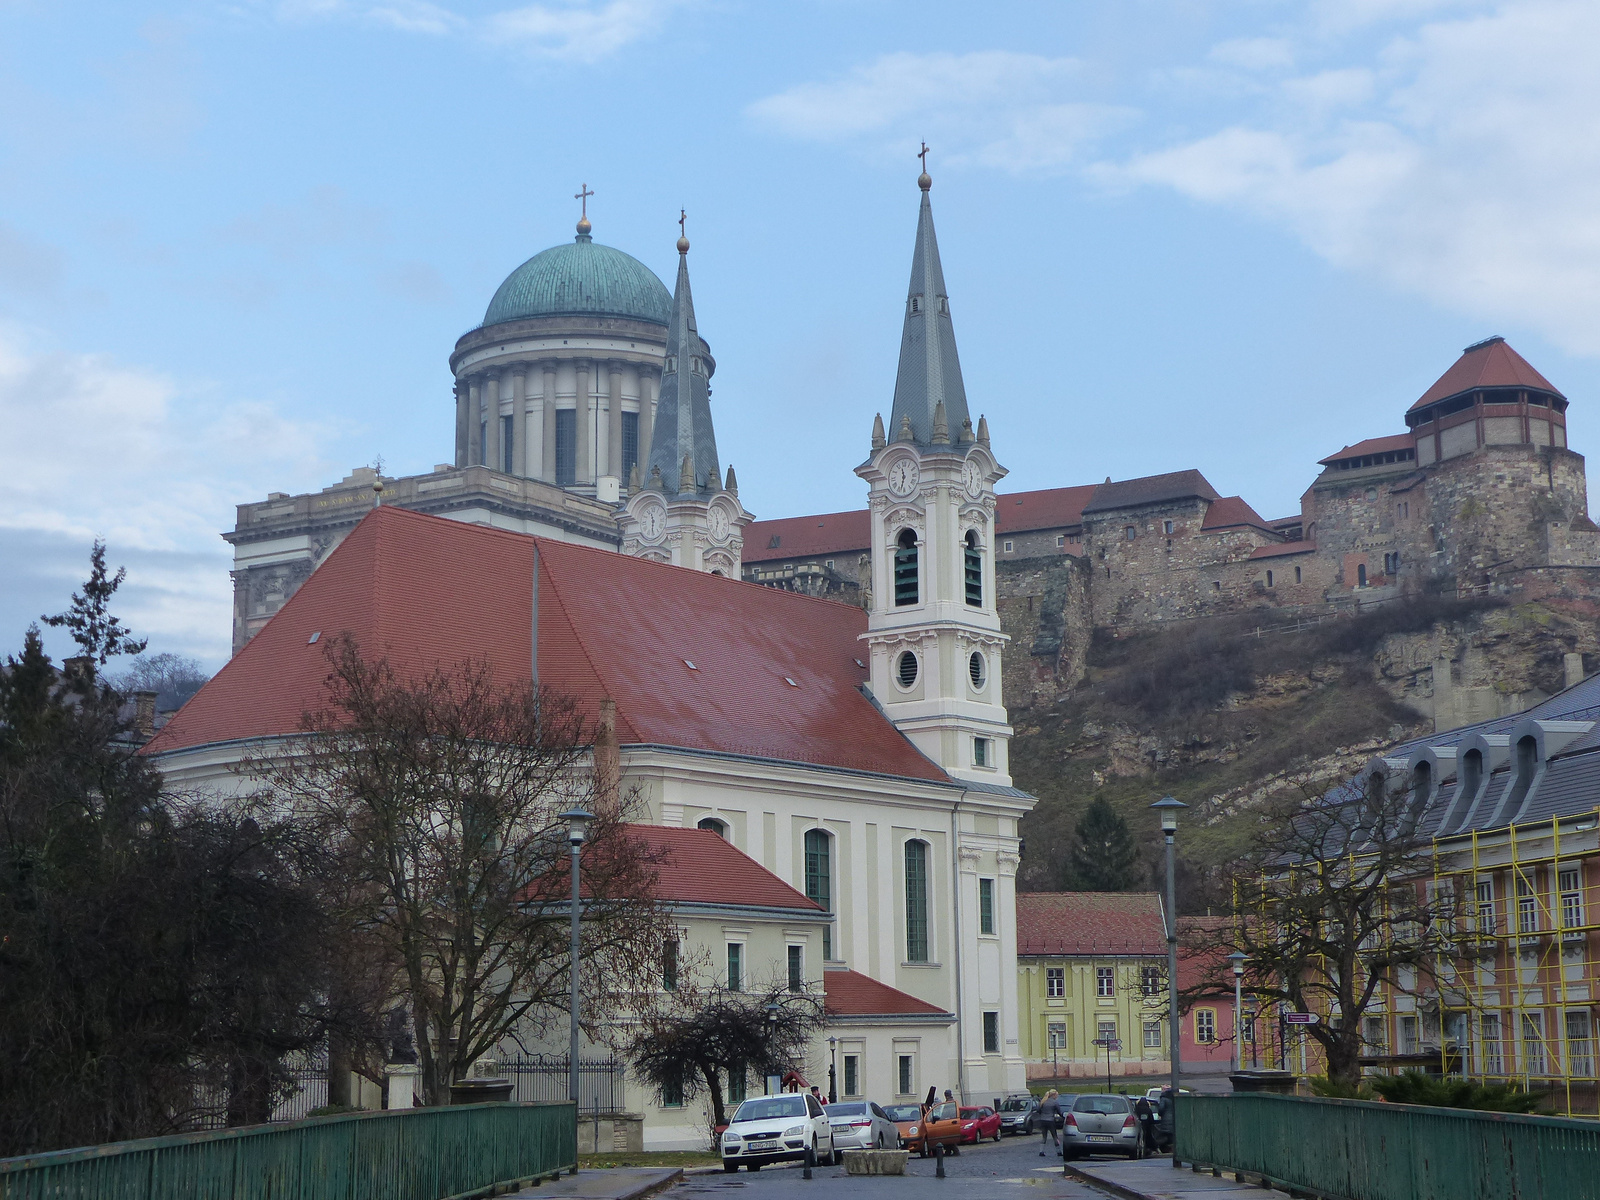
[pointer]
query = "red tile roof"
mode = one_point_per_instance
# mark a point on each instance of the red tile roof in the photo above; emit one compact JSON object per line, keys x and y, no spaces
{"x":1230,"y":512}
{"x":1150,"y":489}
{"x":696,"y":866}
{"x":852,"y":994}
{"x":1195,"y":966}
{"x":1090,"y":923}
{"x":1487,"y":364}
{"x":1051,"y":508}
{"x":1378,"y":445}
{"x":1283,"y":550}
{"x":426,"y":590}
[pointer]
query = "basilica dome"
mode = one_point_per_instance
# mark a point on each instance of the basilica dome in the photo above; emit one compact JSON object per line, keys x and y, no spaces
{"x":581,"y":278}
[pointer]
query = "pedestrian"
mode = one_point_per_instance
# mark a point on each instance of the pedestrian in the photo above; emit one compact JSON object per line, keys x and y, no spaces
{"x":1048,"y":1119}
{"x":1164,"y":1118}
{"x":816,"y":1093}
{"x":949,"y":1096}
{"x":1145,"y":1111}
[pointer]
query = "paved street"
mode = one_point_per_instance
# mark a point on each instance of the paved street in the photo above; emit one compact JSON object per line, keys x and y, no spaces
{"x":1013,"y":1167}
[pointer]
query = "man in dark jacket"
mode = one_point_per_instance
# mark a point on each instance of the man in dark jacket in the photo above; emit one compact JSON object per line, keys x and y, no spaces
{"x":1164,"y":1121}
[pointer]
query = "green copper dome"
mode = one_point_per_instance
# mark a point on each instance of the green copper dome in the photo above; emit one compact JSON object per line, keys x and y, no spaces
{"x":581,"y":278}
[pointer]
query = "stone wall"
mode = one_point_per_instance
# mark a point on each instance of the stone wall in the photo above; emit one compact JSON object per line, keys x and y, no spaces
{"x":1044,"y":610}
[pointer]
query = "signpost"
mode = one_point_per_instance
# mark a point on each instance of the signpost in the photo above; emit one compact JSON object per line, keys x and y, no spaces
{"x":1110,"y":1044}
{"x":1300,"y":1018}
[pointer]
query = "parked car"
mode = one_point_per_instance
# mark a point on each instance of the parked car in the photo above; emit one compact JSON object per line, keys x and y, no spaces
{"x":1016,"y":1113}
{"x":861,"y":1125}
{"x":1100,"y":1123}
{"x":979,"y":1123}
{"x":942,"y":1128}
{"x":781,"y":1128}
{"x":905,"y":1118}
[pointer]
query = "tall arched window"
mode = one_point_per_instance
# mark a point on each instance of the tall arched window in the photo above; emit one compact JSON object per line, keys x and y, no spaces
{"x":974,"y":563}
{"x":712,"y":825}
{"x":819,"y":881}
{"x":916,"y":902}
{"x":905,"y":568}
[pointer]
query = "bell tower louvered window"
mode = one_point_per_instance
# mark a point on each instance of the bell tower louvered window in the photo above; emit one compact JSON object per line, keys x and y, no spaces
{"x":973,"y":558}
{"x":905,"y":569}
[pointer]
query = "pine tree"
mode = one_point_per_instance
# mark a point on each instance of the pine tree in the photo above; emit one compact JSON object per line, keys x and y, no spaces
{"x":99,"y":634}
{"x":1103,"y":857}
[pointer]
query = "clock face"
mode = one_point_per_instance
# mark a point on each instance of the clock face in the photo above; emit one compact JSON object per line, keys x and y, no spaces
{"x":972,"y":476}
{"x":903,"y":477}
{"x":719,"y":525}
{"x":652,"y":521}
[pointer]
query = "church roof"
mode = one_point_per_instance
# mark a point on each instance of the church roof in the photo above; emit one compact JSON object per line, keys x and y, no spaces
{"x":930,"y":371}
{"x":1150,"y":489}
{"x":774,"y":674}
{"x":683,"y":405}
{"x":580,"y":278}
{"x":1491,"y":363}
{"x":697,"y":866}
{"x":852,"y":994}
{"x":1089,"y":923}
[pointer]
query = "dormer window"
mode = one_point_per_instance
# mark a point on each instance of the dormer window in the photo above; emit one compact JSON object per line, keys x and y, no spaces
{"x":1421,"y":785}
{"x":916,"y":304}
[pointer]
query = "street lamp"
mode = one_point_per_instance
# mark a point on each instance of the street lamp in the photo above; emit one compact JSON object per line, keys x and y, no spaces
{"x":833,"y":1060}
{"x":1237,"y":958}
{"x":577,"y":820}
{"x":772,"y":1040}
{"x":1169,"y":809}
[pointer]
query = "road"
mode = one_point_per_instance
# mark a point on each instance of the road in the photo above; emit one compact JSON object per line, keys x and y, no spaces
{"x":1010,"y":1168}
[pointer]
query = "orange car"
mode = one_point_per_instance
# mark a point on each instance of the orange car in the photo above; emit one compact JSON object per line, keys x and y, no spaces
{"x":943,"y":1127}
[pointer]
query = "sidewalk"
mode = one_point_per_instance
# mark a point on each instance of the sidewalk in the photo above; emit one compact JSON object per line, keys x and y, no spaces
{"x":621,"y":1184}
{"x":1154,"y":1179}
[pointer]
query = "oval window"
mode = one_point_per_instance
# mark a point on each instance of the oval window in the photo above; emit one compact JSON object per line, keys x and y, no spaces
{"x":977,"y":669}
{"x":906,"y":669}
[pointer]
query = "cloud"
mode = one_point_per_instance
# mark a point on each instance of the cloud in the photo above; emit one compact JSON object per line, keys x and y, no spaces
{"x":1016,"y":112}
{"x":96,"y":448}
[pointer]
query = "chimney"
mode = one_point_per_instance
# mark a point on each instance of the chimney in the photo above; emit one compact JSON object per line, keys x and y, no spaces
{"x":79,"y":670}
{"x":607,"y":757}
{"x":144,"y":713}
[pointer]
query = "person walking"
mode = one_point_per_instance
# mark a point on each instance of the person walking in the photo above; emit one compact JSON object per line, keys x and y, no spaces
{"x":1164,"y":1118}
{"x":1146,"y":1113}
{"x":1049,"y":1120}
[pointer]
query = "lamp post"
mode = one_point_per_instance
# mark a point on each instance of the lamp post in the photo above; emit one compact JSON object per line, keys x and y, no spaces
{"x":1237,"y":958}
{"x":833,"y":1060}
{"x":577,"y":820}
{"x":772,"y":1034}
{"x":1169,"y":809}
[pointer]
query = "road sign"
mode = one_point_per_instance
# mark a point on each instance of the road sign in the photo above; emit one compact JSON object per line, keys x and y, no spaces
{"x":1299,"y":1018}
{"x":1109,"y":1043}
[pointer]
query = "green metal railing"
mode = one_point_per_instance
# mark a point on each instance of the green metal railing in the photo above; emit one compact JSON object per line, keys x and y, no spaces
{"x":416,"y":1154}
{"x":1361,"y":1150}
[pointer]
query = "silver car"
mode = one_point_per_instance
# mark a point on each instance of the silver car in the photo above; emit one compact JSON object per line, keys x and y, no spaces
{"x":1100,"y":1123}
{"x":861,"y":1125}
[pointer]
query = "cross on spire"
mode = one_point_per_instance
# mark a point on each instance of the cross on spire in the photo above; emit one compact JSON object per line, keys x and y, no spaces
{"x":923,"y":155}
{"x":682,"y":217}
{"x":584,"y":195}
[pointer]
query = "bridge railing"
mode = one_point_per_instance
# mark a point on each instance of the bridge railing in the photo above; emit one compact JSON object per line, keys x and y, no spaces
{"x":415,"y":1154}
{"x":1362,"y":1150}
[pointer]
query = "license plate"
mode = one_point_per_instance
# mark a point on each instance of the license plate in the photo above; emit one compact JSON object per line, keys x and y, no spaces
{"x":774,"y":1145}
{"x":1099,"y":1137}
{"x":840,"y":1128}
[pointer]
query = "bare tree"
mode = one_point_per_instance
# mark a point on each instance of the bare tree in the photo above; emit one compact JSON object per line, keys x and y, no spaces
{"x":438,"y":796}
{"x":1329,"y":907}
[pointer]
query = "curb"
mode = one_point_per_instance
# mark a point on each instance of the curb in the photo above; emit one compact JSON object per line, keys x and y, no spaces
{"x":1104,"y":1185}
{"x":651,"y":1188}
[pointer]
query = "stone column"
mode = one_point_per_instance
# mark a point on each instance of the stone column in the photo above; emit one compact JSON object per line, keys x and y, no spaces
{"x":615,"y":467}
{"x":474,"y":419}
{"x":548,"y":474}
{"x":647,"y":421}
{"x":462,"y":397}
{"x":519,"y":436}
{"x":584,"y":472}
{"x":491,"y":414}
{"x":402,"y":1084}
{"x":534,"y":404}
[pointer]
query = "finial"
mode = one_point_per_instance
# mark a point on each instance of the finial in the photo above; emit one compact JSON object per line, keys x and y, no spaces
{"x":683,"y":233}
{"x":686,"y":476}
{"x":655,"y":479}
{"x":877,"y":431}
{"x":941,"y":424}
{"x":966,"y":430}
{"x":633,"y":477}
{"x":583,"y":194}
{"x":924,"y":181}
{"x":983,"y":431}
{"x":377,"y":492}
{"x":905,"y":433}
{"x":733,"y":483}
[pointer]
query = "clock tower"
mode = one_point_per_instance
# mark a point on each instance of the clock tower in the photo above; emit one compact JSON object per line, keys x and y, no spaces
{"x":933,"y":627}
{"x":683,"y":511}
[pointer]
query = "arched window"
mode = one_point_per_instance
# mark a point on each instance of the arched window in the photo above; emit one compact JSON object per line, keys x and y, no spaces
{"x":1421,"y":785}
{"x":1361,"y":575}
{"x":916,"y":902}
{"x":712,"y":825}
{"x":974,"y":564}
{"x":905,"y":568}
{"x":819,"y":881}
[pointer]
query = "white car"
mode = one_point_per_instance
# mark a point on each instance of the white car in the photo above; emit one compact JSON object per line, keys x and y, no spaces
{"x":778,"y":1128}
{"x":862,"y":1125}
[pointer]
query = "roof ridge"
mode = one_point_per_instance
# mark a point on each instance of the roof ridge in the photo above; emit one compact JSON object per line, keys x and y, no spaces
{"x":606,"y":688}
{"x":750,"y":858}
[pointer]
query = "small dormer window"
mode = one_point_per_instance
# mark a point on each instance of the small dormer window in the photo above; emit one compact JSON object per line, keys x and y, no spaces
{"x":916,"y":304}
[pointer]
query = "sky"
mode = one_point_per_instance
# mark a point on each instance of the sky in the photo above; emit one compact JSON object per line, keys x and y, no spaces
{"x":238,"y":238}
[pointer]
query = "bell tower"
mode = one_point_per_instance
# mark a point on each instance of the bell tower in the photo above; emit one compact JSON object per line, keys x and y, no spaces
{"x":933,"y":625}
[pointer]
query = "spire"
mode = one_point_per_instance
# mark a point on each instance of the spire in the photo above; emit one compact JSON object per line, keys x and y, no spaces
{"x":683,"y":431}
{"x":733,"y":482}
{"x":929,"y":372}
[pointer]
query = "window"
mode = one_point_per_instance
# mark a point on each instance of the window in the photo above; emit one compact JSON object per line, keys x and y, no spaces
{"x":1527,"y":767}
{"x":1130,"y":532}
{"x":1205,"y":1026}
{"x":819,"y":881}
{"x":1055,"y":982}
{"x":1408,"y":1035}
{"x":991,"y":1032}
{"x":1571,"y":898}
{"x":905,"y":569}
{"x":973,"y":560}
{"x":1580,"y":1047}
{"x":1009,"y":547}
{"x":1105,"y":981}
{"x":1297,"y":574}
{"x":669,"y":966}
{"x":917,"y":902}
{"x":566,"y":446}
{"x":712,"y":825}
{"x":906,"y":669}
{"x":507,"y":427}
{"x":908,"y":1075}
{"x":672,"y":1094}
{"x":1055,"y":1035}
{"x":977,"y":670}
{"x":1527,"y":905}
{"x":797,"y":968}
{"x":980,"y":752}
{"x":1166,"y":527}
{"x":1269,"y":578}
{"x":1152,"y":1035}
{"x":1150,"y":981}
{"x":852,"y":1075}
{"x":986,"y":905}
{"x":1361,"y":575}
{"x":736,"y":966}
{"x":1061,"y":539}
{"x":630,"y":444}
{"x":1373,"y":1034}
{"x":1106,"y":1031}
{"x":1533,"y":1056}
{"x":1493,"y":1061}
{"x":1484,"y":890}
{"x":738,"y":1089}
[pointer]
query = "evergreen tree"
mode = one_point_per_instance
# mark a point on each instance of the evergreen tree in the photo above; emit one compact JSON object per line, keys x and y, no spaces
{"x":99,"y":635}
{"x":1103,"y":856}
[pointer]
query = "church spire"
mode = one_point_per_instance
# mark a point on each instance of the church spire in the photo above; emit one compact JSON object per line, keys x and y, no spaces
{"x":930,"y":372}
{"x":683,"y":429}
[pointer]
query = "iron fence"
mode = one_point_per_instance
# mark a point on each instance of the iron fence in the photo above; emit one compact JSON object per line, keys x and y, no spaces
{"x":602,"y":1082}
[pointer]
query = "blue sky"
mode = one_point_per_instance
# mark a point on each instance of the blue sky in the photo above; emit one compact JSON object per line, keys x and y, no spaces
{"x":239,"y":239}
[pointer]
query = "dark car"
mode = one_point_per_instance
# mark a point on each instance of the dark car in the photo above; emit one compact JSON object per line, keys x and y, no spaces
{"x":1016,"y":1113}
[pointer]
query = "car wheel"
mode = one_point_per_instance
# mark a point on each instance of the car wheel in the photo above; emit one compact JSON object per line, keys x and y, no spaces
{"x":731,"y":1168}
{"x":752,"y":1167}
{"x":881,"y":1143}
{"x":996,"y":1132}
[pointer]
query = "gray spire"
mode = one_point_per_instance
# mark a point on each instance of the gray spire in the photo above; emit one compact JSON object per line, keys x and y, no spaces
{"x":683,"y":430}
{"x":930,"y":372}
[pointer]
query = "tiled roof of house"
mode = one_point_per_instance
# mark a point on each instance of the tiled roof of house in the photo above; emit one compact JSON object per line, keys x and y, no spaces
{"x":774,"y":674}
{"x":696,"y":866}
{"x":1194,"y":966}
{"x":1049,"y":508}
{"x":852,"y":994}
{"x":1487,"y":364}
{"x":1090,"y":923}
{"x":1284,"y":549}
{"x":1377,"y":445}
{"x":1231,"y":512}
{"x":1151,"y":489}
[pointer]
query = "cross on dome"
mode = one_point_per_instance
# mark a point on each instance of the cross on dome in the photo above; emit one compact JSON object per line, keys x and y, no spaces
{"x":582,"y":195}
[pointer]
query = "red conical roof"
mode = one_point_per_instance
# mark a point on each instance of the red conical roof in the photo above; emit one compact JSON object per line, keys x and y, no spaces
{"x":1490,"y":363}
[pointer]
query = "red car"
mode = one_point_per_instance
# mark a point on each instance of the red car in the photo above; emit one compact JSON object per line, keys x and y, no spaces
{"x":979,"y":1123}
